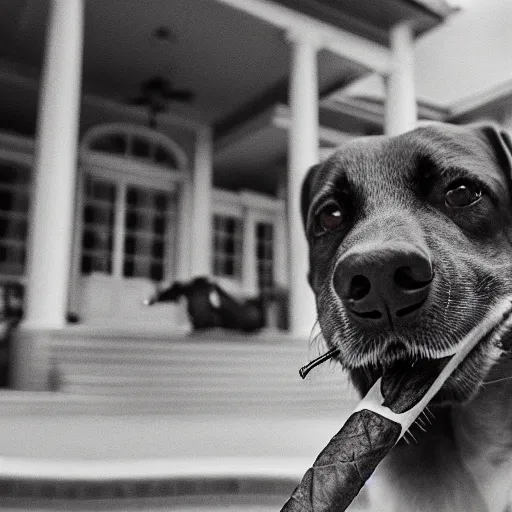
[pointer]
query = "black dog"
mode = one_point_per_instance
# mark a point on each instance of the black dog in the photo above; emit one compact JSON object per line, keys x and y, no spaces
{"x":210,"y":306}
{"x":410,"y":246}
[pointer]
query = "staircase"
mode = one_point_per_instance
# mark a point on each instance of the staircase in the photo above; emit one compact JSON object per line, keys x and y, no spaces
{"x":150,"y":419}
{"x":214,"y":372}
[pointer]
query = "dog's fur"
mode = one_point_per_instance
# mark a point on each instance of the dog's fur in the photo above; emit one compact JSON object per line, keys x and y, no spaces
{"x":392,"y":190}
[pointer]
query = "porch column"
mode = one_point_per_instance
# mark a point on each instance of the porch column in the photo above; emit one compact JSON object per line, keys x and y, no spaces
{"x":401,"y":111}
{"x":201,"y":220}
{"x":52,"y":209}
{"x":250,"y":271}
{"x":302,"y":154}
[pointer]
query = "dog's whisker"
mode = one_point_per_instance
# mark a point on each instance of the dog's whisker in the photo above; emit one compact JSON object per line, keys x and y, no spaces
{"x":420,"y":426}
{"x":414,"y":439}
{"x":420,"y":421}
{"x":495,"y":381}
{"x":426,"y":418}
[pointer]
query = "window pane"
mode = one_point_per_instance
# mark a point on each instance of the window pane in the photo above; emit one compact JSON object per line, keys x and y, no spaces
{"x":14,"y":199}
{"x":114,"y":143}
{"x":164,"y":157}
{"x":150,"y":224}
{"x":140,"y":147}
{"x":98,"y":225}
{"x":227,"y":246}
{"x":265,"y":255}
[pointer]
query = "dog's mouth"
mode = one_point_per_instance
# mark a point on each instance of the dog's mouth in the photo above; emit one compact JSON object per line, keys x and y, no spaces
{"x":398,"y":366}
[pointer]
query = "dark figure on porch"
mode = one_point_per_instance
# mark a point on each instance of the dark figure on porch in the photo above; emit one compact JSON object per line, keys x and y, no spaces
{"x":210,"y":306}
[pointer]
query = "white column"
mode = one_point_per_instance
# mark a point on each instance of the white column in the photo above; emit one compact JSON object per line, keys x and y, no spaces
{"x":250,"y":274}
{"x":201,"y":250}
{"x":401,"y":111}
{"x":280,"y":251}
{"x":302,"y":154}
{"x":183,"y":270}
{"x":52,"y":208}
{"x":119,"y":231}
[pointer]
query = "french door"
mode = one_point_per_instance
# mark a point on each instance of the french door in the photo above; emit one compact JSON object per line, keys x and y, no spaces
{"x":129,"y":229}
{"x":126,"y":241}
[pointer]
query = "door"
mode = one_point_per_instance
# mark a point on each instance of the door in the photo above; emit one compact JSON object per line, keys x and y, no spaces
{"x":128,"y":243}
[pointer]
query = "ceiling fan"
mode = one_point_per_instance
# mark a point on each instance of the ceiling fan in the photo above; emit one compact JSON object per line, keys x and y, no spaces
{"x":156,"y":94}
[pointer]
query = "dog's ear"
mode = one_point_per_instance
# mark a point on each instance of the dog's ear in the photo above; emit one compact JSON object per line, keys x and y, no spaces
{"x":501,"y":143}
{"x":305,"y":196}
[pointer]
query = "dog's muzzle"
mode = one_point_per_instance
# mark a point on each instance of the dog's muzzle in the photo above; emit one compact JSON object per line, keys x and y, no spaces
{"x":383,"y":286}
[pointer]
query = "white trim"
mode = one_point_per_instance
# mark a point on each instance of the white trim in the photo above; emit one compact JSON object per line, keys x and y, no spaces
{"x":341,"y":42}
{"x":481,"y":99}
{"x":183,"y":267}
{"x":76,"y":257}
{"x":251,"y":208}
{"x":17,"y":143}
{"x":130,"y":170}
{"x":119,"y":231}
{"x":13,"y":155}
{"x":281,"y":119}
{"x":279,"y":116}
{"x":373,"y":112}
{"x":201,"y":211}
{"x":222,"y":205}
{"x":131,"y":130}
{"x":227,"y":200}
{"x":262,"y":202}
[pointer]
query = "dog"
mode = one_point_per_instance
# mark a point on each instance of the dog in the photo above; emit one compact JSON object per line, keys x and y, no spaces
{"x":209,"y":306}
{"x":410,"y":246}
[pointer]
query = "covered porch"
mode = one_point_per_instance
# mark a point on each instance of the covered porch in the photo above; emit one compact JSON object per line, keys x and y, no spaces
{"x":108,"y":207}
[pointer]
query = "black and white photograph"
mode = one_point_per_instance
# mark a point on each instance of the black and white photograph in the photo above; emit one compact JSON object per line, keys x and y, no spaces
{"x":256,"y":255}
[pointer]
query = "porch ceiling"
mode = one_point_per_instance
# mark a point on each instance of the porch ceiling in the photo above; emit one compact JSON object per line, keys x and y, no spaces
{"x":228,"y":59}
{"x":373,"y":19}
{"x":254,"y":154}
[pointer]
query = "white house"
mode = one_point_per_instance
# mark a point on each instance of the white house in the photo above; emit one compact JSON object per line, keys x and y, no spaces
{"x":98,"y":205}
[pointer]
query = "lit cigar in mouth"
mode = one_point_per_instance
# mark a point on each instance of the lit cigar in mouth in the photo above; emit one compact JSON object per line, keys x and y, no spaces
{"x":380,"y":419}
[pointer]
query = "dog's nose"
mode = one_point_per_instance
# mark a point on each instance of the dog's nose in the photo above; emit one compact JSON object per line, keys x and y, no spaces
{"x":388,"y":285}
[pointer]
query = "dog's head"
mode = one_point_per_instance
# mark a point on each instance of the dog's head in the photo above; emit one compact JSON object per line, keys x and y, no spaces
{"x":410,"y":243}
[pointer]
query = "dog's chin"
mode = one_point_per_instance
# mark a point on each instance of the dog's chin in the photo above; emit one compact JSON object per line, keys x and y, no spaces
{"x":460,"y":387}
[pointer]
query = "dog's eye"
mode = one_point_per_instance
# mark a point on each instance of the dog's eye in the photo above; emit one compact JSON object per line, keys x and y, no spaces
{"x":330,"y":217}
{"x":463,"y":194}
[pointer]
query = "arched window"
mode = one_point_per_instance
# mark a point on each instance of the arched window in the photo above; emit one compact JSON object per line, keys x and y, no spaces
{"x":137,"y":143}
{"x":130,"y":201}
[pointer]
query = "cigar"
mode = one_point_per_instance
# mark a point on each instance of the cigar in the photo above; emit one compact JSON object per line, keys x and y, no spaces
{"x":379,"y":421}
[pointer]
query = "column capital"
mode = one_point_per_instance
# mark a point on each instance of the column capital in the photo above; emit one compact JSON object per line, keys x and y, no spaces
{"x":403,"y":25}
{"x":299,"y":37}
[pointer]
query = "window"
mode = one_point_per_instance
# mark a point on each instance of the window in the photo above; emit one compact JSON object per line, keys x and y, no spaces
{"x":137,"y":143}
{"x":14,"y":200}
{"x":265,"y":256}
{"x":111,"y":143}
{"x":149,"y":236}
{"x":130,"y":212}
{"x":227,"y":246}
{"x":149,"y":231}
{"x":98,"y":225}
